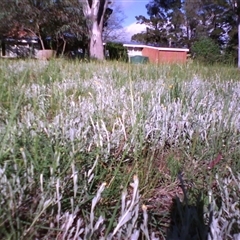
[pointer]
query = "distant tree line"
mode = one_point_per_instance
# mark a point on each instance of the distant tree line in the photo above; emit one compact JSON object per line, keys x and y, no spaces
{"x":196,"y":24}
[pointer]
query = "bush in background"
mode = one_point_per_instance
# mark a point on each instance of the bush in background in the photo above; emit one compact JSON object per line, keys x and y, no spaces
{"x":206,"y":50}
{"x":116,"y":51}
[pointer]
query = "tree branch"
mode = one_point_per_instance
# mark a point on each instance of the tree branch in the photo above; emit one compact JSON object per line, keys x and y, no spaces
{"x":104,"y":10}
{"x":86,"y":8}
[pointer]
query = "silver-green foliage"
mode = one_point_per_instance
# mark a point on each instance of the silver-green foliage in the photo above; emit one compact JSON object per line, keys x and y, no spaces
{"x":101,"y":111}
{"x":82,"y":109}
{"x":68,"y":224}
{"x":225,"y":219}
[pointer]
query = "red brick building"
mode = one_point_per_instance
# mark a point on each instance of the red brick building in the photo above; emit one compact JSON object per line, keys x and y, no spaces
{"x":158,"y":54}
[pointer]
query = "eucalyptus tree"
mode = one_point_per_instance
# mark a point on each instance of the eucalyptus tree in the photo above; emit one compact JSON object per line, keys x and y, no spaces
{"x":48,"y":18}
{"x":67,"y":23}
{"x":7,"y":10}
{"x":226,"y":18}
{"x":157,"y":24}
{"x":164,"y":24}
{"x":30,"y":15}
{"x":35,"y":16}
{"x":96,"y":13}
{"x":235,"y":5}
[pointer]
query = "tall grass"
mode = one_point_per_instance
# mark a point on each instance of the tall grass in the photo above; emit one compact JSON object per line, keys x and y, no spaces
{"x":74,"y":135}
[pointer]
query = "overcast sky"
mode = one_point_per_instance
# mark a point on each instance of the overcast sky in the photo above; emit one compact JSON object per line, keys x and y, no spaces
{"x":133,"y":8}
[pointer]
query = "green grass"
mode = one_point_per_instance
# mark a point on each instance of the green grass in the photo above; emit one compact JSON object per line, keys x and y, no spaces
{"x":66,"y":127}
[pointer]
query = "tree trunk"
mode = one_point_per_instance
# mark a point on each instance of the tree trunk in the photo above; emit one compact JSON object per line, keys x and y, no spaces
{"x":40,"y":37}
{"x":64,"y":46}
{"x":94,"y":11}
{"x":238,"y":39}
{"x":96,"y":43}
{"x":41,"y":41}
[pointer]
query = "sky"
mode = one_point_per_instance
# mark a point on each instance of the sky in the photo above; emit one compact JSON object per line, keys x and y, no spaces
{"x":133,"y":8}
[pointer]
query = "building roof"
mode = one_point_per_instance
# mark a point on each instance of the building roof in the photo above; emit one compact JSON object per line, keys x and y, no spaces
{"x":20,"y":35}
{"x":158,"y":48}
{"x":20,"y":40}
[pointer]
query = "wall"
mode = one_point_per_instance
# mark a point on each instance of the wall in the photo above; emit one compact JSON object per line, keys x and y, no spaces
{"x":133,"y":51}
{"x":172,"y":57}
{"x":160,"y":56}
{"x":151,"y":53}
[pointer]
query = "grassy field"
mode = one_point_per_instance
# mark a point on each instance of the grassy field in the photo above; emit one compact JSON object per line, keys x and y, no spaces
{"x":119,"y":151}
